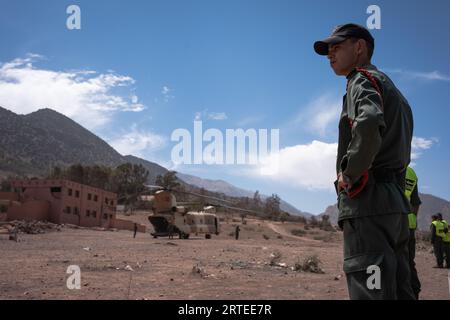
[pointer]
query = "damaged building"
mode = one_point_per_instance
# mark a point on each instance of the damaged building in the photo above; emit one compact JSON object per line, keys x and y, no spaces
{"x":63,"y":202}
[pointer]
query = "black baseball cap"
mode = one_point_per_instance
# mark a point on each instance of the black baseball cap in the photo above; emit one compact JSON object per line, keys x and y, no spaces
{"x":341,"y":33}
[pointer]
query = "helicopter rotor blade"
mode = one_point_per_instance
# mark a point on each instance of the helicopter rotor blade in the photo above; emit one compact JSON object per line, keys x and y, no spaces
{"x":243,"y":210}
{"x":150,"y":186}
{"x":204,"y":196}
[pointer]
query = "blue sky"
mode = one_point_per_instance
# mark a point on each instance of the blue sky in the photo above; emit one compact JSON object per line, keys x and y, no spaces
{"x":138,"y":70}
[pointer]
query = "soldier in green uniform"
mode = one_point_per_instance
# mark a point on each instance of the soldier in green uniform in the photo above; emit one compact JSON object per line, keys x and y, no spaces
{"x":374,"y":148}
{"x":437,"y":235}
{"x":445,"y":241}
{"x":412,"y":194}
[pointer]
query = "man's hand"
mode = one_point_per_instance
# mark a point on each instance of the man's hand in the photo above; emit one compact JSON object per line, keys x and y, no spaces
{"x":342,"y":185}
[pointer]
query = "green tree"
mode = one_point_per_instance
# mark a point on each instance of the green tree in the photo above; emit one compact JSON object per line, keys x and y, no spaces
{"x":128,"y":181}
{"x":169,"y":180}
{"x":272,"y":206}
{"x":257,"y":203}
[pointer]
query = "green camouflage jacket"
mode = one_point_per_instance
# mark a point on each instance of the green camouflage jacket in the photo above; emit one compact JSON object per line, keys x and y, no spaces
{"x":374,"y":133}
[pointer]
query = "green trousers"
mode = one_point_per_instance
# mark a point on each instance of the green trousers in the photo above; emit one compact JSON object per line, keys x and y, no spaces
{"x":380,"y":241}
{"x":438,"y":248}
{"x":446,"y":247}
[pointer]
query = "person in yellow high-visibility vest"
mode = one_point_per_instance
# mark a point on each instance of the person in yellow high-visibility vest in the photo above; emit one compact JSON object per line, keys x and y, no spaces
{"x":437,"y":235}
{"x":445,"y":241}
{"x":412,"y":193}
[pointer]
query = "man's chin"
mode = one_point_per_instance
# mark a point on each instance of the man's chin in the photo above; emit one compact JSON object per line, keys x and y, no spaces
{"x":338,"y":72}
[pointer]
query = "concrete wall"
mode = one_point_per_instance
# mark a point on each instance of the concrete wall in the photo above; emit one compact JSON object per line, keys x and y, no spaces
{"x":127,"y":225}
{"x":12,"y":196}
{"x":30,"y":210}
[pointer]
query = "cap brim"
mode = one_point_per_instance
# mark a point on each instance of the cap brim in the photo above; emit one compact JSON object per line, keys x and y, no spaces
{"x":321,"y":47}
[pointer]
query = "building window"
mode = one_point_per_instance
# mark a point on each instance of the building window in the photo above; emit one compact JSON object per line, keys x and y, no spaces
{"x":88,"y":213}
{"x":95,"y":198}
{"x":110,"y":216}
{"x":105,"y":216}
{"x":112,"y":202}
{"x":106,"y":200}
{"x":55,"y":189}
{"x":70,"y":192}
{"x":77,"y":194}
{"x":68,"y":209}
{"x":89,"y":196}
{"x":75,"y":210}
{"x":94,"y":214}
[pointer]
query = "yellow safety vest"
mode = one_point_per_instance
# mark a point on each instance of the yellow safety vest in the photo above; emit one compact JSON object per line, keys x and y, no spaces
{"x":439,"y":225}
{"x":446,"y":237}
{"x":411,"y":182}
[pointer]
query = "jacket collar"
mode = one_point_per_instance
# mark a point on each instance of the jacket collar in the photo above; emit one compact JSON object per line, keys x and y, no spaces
{"x":354,"y":71}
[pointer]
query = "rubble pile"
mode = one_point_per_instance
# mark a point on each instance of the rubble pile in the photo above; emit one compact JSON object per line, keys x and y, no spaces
{"x":35,"y":227}
{"x":310,"y":264}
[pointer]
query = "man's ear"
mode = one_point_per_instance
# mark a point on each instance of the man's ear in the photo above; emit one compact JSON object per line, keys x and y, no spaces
{"x":360,"y":46}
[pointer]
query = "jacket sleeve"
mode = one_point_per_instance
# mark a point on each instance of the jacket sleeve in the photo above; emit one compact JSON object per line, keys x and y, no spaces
{"x":415,"y":200}
{"x":433,"y":233}
{"x":366,"y":105}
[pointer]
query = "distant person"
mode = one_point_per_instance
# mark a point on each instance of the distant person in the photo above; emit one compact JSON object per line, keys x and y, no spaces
{"x":170,"y":230}
{"x":135,"y":230}
{"x":412,"y":193}
{"x":437,"y":234}
{"x":445,"y":241}
{"x":236,"y":232}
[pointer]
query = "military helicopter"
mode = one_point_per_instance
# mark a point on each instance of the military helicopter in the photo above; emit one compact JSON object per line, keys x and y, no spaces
{"x":169,"y":218}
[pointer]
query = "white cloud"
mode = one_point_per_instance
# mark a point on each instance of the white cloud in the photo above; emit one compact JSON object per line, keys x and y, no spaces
{"x":419,"y":144}
{"x":137,"y":142}
{"x":310,"y":166}
{"x":321,"y":115}
{"x":217,"y":116}
{"x":210,"y":115}
{"x":85,"y":96}
{"x":412,"y":75}
{"x":166,"y":92}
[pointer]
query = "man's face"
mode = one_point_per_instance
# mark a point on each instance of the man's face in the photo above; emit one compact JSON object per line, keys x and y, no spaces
{"x":343,"y":57}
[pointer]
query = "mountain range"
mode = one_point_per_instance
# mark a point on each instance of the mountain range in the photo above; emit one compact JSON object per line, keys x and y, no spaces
{"x":430,"y":205}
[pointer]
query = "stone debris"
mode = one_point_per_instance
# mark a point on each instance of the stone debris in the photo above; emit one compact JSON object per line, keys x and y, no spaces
{"x":275,"y":258}
{"x":128,"y":268}
{"x":310,"y":264}
{"x":35,"y":227}
{"x":198,"y":270}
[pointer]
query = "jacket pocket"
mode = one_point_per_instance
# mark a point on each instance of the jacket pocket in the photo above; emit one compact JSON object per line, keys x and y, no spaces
{"x":361,"y":262}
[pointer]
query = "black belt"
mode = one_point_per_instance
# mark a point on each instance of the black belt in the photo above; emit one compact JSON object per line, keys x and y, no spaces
{"x":380,"y":175}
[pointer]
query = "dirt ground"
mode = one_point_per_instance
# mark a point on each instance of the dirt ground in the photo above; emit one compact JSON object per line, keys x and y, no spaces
{"x":114,"y":265}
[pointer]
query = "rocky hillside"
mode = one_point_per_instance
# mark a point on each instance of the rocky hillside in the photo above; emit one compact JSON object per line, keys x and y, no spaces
{"x":31,"y":144}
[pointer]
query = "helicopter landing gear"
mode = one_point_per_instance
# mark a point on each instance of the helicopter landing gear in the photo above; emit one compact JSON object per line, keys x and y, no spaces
{"x":183,"y":235}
